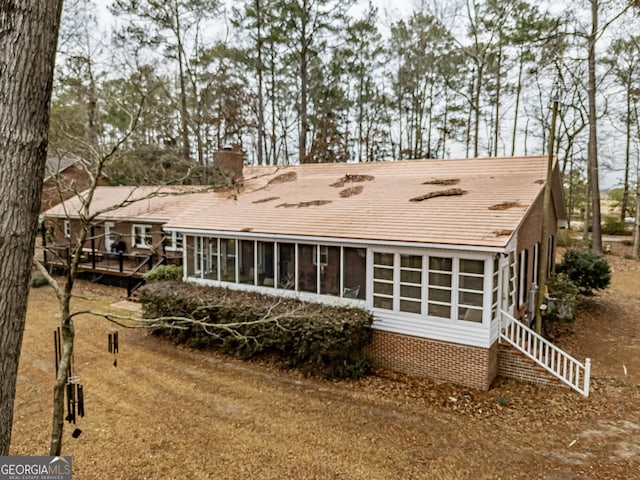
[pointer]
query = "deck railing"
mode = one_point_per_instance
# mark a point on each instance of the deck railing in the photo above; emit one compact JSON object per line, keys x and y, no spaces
{"x":544,"y":353}
{"x":104,"y":261}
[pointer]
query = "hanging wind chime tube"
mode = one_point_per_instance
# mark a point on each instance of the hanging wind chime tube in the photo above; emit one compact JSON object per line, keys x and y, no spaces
{"x":73,"y":389}
{"x":113,"y":345}
{"x":56,"y":348}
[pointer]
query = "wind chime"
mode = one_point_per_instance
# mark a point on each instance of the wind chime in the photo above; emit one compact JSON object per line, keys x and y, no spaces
{"x":74,"y":390}
{"x":113,"y":346}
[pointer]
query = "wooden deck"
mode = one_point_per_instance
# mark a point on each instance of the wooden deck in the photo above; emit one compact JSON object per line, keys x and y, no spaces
{"x":124,"y":270}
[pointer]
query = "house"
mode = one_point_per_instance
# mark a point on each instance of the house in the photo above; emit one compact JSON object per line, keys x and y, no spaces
{"x":64,"y":177}
{"x":127,"y":238}
{"x":441,"y":251}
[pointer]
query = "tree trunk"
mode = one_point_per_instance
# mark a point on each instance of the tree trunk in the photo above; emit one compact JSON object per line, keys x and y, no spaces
{"x":636,"y":225}
{"x":184,"y":114}
{"x":304,"y":121}
{"x":260,"y":68}
{"x":596,"y":236}
{"x":496,"y":126}
{"x":517,"y":106}
{"x":28,"y":36}
{"x":476,"y":110}
{"x":627,"y":159}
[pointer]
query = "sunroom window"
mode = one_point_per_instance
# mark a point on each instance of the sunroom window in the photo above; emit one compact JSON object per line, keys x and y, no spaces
{"x":383,"y":278}
{"x":470,"y":290}
{"x":440,"y":275}
{"x":411,"y":283}
{"x":228,"y":259}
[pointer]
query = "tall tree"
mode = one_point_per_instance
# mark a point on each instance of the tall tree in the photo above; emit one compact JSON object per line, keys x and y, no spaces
{"x":624,"y":59}
{"x":28,"y":36}
{"x":596,"y":30}
{"x":308,"y":22}
{"x":173,"y":25}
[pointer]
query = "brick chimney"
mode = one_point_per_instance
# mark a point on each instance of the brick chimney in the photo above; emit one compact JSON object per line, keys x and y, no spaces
{"x":227,"y":165}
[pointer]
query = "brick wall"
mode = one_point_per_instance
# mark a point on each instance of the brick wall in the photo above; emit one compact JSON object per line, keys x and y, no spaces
{"x":461,"y":364}
{"x":513,"y":364}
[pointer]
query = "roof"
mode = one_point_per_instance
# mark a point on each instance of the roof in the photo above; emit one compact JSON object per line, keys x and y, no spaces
{"x":479,"y":202}
{"x":147,"y":203}
{"x":485,"y":201}
{"x":57,"y":164}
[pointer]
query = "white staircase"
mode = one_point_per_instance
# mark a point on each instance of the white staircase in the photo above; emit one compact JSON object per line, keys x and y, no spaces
{"x":545,"y":354}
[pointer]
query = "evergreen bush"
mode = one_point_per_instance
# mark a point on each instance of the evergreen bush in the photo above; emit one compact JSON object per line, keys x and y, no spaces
{"x":614,"y":226}
{"x":587,"y":270}
{"x":163,"y":273}
{"x":318,"y":339}
{"x":564,"y":298}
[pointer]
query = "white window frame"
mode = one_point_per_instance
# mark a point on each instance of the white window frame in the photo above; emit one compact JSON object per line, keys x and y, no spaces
{"x":522,"y":276}
{"x":109,"y":234}
{"x":66,"y":229}
{"x":173,"y":241}
{"x":536,"y":262}
{"x":143,"y":231}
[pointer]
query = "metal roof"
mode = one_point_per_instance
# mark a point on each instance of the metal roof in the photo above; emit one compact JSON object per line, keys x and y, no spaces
{"x":483,"y":201}
{"x":479,"y":202}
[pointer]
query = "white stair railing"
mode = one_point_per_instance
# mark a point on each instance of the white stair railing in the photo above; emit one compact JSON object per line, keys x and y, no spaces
{"x":544,"y":353}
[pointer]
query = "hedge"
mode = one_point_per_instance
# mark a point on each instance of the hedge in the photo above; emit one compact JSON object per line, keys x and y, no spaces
{"x":317,"y":339}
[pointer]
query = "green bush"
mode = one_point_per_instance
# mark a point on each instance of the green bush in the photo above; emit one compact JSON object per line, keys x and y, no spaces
{"x":318,"y":339}
{"x":38,"y":281}
{"x":569,"y":238}
{"x":163,"y":273}
{"x":614,"y":226}
{"x":563,"y":298}
{"x":587,"y":270}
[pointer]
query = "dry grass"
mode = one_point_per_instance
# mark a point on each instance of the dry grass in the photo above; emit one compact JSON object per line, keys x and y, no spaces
{"x":168,"y":412}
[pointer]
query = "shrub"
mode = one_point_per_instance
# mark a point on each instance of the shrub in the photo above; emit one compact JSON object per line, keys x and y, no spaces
{"x":614,"y":226}
{"x":587,"y":270}
{"x":564,"y":296}
{"x":163,"y":273}
{"x":319,"y":339}
{"x":38,"y":281}
{"x":567,"y":238}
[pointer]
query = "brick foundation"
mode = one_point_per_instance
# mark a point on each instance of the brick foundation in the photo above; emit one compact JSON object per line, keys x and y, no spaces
{"x":461,"y":364}
{"x":513,"y":364}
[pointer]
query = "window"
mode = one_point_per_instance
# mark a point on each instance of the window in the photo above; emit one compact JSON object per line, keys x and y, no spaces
{"x":266,"y":263}
{"x":354,"y":273}
{"x":383,"y":280}
{"x":66,"y":229}
{"x":173,"y":241}
{"x":494,"y":289}
{"x":307,"y":268}
{"x":470,"y":290}
{"x":523,"y":263}
{"x":552,"y":255}
{"x":329,"y":270}
{"x":287,"y":266}
{"x":228,"y":259}
{"x":211,"y":251}
{"x":411,"y":283}
{"x":439,"y":293}
{"x":142,"y":237}
{"x":109,"y":235}
{"x":246,"y":273}
{"x":512,"y":279}
{"x":536,"y":262}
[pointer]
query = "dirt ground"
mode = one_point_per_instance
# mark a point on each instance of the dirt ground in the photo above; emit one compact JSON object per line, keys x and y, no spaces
{"x":168,"y":412}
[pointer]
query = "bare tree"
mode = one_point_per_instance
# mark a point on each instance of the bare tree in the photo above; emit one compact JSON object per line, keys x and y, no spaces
{"x":28,"y":37}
